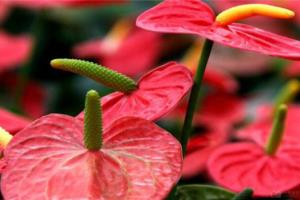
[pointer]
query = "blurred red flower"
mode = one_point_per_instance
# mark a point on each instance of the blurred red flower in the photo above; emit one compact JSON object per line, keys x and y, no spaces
{"x":11,"y":122}
{"x":57,"y":3}
{"x":14,"y":50}
{"x":130,"y":54}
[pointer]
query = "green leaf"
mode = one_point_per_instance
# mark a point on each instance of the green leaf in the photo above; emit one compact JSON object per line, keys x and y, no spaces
{"x":244,"y":195}
{"x":203,"y":192}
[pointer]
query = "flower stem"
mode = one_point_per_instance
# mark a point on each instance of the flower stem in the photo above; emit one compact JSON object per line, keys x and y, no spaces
{"x":96,"y":72}
{"x":277,"y":130}
{"x":92,"y":121}
{"x":287,"y":93}
{"x":192,"y":104}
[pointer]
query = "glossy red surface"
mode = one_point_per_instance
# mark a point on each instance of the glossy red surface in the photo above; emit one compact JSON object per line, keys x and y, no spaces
{"x":196,"y":17}
{"x":138,"y":160}
{"x":159,"y":91}
{"x":245,"y":164}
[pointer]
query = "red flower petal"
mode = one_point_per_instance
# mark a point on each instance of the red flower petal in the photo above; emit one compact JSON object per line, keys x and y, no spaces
{"x":138,"y":159}
{"x":199,"y":149}
{"x":195,"y":17}
{"x":240,"y":165}
{"x":137,"y":53}
{"x":11,"y":122}
{"x":159,"y":91}
{"x":258,"y":130}
{"x":14,"y":50}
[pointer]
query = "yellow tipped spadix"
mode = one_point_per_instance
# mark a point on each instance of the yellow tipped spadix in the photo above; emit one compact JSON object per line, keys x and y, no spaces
{"x":244,"y":11}
{"x":5,"y":138}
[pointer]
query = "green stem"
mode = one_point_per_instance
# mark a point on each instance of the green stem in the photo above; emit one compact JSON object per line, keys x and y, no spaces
{"x":92,"y":121}
{"x":96,"y":72}
{"x":244,"y":195}
{"x":287,"y":93}
{"x":277,"y":130}
{"x":192,"y":105}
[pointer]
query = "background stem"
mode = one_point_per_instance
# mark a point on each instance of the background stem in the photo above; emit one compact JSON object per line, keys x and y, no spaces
{"x":192,"y":105}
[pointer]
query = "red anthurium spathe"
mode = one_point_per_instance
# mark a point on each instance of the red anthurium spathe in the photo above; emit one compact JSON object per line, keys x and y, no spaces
{"x":269,"y":171}
{"x":159,"y":91}
{"x":258,"y":130}
{"x":199,"y":149}
{"x":14,"y":50}
{"x":155,"y":94}
{"x":12,"y":122}
{"x":196,"y":17}
{"x":56,"y":157}
{"x":57,"y":3}
{"x":126,"y":49}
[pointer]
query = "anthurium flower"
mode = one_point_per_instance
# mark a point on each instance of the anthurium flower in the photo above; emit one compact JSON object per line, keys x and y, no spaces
{"x":14,"y":50}
{"x":271,"y":170}
{"x":257,"y":130}
{"x":56,"y":3}
{"x":12,"y":122}
{"x":196,"y":17}
{"x":57,"y":157}
{"x":154,"y":95}
{"x":126,"y":49}
{"x":199,"y":149}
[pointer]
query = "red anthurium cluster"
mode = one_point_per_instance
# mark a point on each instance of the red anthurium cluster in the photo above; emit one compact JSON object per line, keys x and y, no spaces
{"x":269,"y":171}
{"x":12,"y":122}
{"x":196,"y":17}
{"x":14,"y":50}
{"x":56,"y":3}
{"x":126,"y":49}
{"x":56,"y":157}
